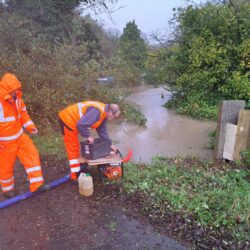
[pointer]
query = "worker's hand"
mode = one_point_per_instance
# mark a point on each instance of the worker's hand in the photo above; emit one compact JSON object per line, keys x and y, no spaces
{"x":34,"y":131}
{"x":83,"y":160}
{"x":90,"y":140}
{"x":2,"y":146}
{"x":114,"y":148}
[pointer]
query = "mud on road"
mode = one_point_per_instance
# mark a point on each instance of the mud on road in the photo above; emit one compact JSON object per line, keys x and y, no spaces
{"x":62,"y":219}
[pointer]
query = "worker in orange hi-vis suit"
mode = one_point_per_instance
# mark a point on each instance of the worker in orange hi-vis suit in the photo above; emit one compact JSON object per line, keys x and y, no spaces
{"x":79,"y":118}
{"x":13,"y":141}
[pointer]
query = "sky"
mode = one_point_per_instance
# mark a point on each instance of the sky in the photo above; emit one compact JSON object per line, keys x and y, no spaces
{"x":149,"y":15}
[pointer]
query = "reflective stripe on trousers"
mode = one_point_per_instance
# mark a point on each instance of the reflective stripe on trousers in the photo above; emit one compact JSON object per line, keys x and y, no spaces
{"x":74,"y":165}
{"x":7,"y":184}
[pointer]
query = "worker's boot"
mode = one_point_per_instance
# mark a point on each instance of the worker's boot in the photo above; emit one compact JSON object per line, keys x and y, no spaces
{"x":9,"y":194}
{"x":84,"y":169}
{"x":43,"y":187}
{"x":74,"y":178}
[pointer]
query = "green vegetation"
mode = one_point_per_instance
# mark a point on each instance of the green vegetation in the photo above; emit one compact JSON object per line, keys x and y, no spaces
{"x":190,"y":107}
{"x":58,"y":54}
{"x":112,"y":225}
{"x":246,"y":157}
{"x":160,"y":66}
{"x":213,"y":55}
{"x":212,"y":137}
{"x":50,"y":145}
{"x":217,"y":195}
{"x":132,"y":47}
{"x":134,"y":114}
{"x":207,"y":59}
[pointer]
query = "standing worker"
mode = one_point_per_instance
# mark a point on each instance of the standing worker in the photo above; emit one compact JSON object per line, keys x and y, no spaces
{"x":13,"y":141}
{"x":78,"y":119}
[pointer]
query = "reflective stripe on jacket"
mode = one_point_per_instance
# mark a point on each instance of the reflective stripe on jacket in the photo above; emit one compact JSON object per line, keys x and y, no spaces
{"x":71,"y":115}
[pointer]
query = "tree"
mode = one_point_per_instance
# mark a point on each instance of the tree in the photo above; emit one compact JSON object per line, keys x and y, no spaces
{"x":132,"y":46}
{"x":55,"y":59}
{"x":213,"y":54}
{"x":55,"y":18}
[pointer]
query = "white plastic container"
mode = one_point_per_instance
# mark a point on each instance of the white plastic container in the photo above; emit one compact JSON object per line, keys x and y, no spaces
{"x":85,"y":182}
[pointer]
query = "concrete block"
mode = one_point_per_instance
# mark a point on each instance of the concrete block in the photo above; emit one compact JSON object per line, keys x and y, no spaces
{"x":228,"y":151}
{"x":228,"y":113}
{"x":242,"y":134}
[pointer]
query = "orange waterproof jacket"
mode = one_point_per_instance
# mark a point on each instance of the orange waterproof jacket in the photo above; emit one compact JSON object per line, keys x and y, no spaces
{"x":13,"y":113}
{"x":71,"y":115}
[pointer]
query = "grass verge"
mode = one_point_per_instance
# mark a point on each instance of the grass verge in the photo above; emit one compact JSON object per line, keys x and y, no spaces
{"x":216,"y":194}
{"x":51,"y":145}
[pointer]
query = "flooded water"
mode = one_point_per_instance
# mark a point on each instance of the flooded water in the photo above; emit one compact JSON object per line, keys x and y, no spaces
{"x":128,"y":233}
{"x":166,"y":134}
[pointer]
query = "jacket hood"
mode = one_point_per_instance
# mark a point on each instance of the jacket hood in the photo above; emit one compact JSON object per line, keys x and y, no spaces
{"x":8,"y":83}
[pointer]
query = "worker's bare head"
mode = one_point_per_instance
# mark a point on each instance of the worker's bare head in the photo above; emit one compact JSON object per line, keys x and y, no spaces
{"x":113,"y":112}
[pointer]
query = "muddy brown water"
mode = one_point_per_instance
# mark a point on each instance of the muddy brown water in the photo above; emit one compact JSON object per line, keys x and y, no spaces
{"x":166,"y":133}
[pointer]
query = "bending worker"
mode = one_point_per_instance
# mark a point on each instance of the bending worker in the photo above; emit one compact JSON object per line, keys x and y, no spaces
{"x":13,"y":141}
{"x":78,"y":119}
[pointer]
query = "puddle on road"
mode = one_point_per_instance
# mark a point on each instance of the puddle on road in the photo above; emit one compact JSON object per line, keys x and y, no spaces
{"x":126,"y":233}
{"x":166,"y":134}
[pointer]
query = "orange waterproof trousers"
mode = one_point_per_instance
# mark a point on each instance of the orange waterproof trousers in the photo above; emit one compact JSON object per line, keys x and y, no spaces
{"x":72,"y":147}
{"x":25,"y":150}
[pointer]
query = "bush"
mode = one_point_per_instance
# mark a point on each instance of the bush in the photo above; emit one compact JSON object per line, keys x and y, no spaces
{"x":212,"y":59}
{"x":56,"y":74}
{"x":245,"y":157}
{"x":194,"y":105}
